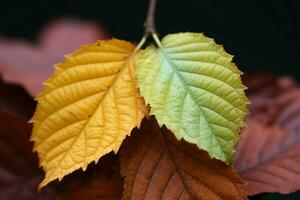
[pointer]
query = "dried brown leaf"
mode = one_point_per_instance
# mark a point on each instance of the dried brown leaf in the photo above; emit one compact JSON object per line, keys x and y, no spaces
{"x":268,"y":158}
{"x":156,"y":166}
{"x":15,"y":99}
{"x":99,"y":182}
{"x":19,"y":172}
{"x":20,"y":175}
{"x":289,"y":117}
{"x":269,"y":96}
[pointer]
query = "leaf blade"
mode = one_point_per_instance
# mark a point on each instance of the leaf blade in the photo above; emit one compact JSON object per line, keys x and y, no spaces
{"x":195,"y":90}
{"x":99,"y":182}
{"x":87,"y":108}
{"x":271,"y":163}
{"x":156,"y":166}
{"x":20,"y":174}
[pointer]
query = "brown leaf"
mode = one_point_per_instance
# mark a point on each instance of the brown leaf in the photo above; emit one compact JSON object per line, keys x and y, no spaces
{"x":15,"y":99}
{"x":156,"y":166}
{"x":269,"y":96}
{"x":20,"y":175}
{"x":268,"y":158}
{"x":257,"y":81}
{"x":99,"y":182}
{"x":28,"y":64}
{"x":289,"y":117}
{"x":19,"y":172}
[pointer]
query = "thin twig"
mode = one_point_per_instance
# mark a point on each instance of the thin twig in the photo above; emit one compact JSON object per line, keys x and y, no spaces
{"x":150,"y":20}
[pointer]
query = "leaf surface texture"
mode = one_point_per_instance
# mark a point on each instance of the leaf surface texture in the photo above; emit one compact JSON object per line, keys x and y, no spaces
{"x":193,"y":88}
{"x":158,"y":167}
{"x":87,"y":108}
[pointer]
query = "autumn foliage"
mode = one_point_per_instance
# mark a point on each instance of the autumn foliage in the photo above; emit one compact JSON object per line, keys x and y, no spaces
{"x":152,"y":163}
{"x":267,"y":156}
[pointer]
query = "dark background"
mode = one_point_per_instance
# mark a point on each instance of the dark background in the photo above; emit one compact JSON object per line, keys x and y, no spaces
{"x":263,"y":35}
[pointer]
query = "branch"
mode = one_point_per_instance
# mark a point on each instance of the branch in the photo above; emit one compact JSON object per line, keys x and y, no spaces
{"x":150,"y":24}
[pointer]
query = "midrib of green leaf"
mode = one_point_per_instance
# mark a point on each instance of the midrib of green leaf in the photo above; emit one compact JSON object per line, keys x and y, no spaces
{"x":181,"y":78}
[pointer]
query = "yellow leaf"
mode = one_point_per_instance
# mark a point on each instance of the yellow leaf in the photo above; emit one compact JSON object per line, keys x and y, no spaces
{"x":87,"y":108}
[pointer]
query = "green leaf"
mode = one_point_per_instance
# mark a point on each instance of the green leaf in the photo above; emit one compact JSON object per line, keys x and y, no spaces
{"x":194,"y":89}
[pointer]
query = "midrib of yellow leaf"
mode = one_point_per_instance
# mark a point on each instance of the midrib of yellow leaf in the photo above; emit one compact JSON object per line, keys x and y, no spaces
{"x":126,"y":65}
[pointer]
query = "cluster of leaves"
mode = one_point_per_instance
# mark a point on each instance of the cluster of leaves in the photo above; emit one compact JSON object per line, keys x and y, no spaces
{"x":152,"y":163}
{"x":155,"y":165}
{"x":92,"y":102}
